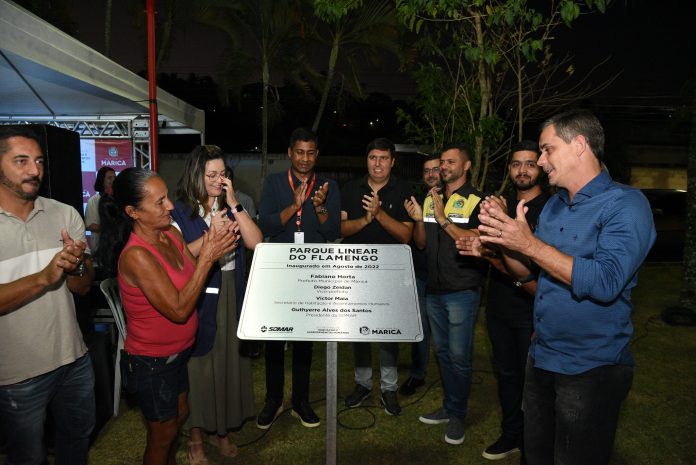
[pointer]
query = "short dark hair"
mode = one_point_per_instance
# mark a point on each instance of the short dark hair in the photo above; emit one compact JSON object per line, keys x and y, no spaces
{"x":304,"y":135}
{"x":381,"y":143}
{"x":17,"y":130}
{"x":525,"y":145}
{"x":101,"y":174}
{"x":430,"y":157}
{"x":463,"y":149}
{"x":579,"y":122}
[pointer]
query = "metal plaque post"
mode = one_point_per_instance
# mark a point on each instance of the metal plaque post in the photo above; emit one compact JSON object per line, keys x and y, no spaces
{"x":331,"y":400}
{"x":331,"y":293}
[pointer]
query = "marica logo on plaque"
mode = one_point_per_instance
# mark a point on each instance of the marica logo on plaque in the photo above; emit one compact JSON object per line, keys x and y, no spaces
{"x":386,"y":331}
{"x":364,"y":330}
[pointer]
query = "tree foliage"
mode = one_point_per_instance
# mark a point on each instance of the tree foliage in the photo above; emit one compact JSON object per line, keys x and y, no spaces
{"x":263,"y":36}
{"x":488,"y":67}
{"x":356,"y":33}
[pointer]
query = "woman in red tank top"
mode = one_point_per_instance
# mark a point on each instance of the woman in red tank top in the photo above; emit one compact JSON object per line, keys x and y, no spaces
{"x":160,"y":282}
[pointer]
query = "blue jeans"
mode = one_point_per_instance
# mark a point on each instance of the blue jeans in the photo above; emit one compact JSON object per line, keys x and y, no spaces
{"x":452,"y":320}
{"x":420,"y":351}
{"x":571,"y":419}
{"x":69,"y":392}
{"x":156,"y":382}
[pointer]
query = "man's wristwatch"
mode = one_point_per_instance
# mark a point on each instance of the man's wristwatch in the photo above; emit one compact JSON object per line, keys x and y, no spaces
{"x":321,"y":210}
{"x":446,"y":223}
{"x":526,"y":280}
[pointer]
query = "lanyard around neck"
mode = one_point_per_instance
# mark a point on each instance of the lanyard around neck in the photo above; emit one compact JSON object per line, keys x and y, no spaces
{"x":298,"y":220}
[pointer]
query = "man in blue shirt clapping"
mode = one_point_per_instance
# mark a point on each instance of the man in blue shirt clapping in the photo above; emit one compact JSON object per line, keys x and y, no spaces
{"x":592,"y":238}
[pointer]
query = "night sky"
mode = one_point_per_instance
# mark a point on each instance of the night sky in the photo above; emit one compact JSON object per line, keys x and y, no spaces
{"x":653,"y":51}
{"x":654,"y":48}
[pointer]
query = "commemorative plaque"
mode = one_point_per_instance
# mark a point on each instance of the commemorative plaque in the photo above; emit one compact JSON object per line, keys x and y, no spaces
{"x":331,"y":292}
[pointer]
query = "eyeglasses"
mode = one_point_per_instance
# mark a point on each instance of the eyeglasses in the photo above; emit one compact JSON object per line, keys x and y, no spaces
{"x":214,"y":176}
{"x":518,"y":164}
{"x":427,"y":171}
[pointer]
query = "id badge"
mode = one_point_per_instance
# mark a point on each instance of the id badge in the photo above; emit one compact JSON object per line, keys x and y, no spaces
{"x":299,"y":237}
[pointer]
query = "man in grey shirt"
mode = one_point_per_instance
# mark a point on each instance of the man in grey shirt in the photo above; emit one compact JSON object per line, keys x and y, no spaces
{"x":44,"y":363}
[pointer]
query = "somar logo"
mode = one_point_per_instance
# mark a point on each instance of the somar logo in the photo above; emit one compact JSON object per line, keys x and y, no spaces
{"x":263,"y":329}
{"x":113,"y":151}
{"x":364,"y":330}
{"x":281,"y":329}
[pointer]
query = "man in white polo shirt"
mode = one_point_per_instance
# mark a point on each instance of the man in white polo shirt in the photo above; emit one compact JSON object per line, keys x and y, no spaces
{"x":44,"y":363}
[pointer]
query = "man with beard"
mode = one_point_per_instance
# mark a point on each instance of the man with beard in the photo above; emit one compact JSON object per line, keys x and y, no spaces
{"x":453,"y":289}
{"x":511,"y":303}
{"x":297,"y":206}
{"x":44,"y":363}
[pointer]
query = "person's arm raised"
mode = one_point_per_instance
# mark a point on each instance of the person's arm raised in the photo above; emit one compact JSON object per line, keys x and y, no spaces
{"x":250,"y":232}
{"x":401,"y":231}
{"x":141,"y":269}
{"x":416,"y":213}
{"x":516,"y":236}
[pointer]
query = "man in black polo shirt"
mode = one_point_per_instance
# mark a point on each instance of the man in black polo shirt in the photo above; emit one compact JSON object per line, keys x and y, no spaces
{"x":454,"y":284}
{"x":511,"y":303}
{"x":373,"y":212}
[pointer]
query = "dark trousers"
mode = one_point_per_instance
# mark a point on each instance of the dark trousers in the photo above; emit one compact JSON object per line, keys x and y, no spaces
{"x":275,"y":370}
{"x":510,"y":342}
{"x":420,"y":351}
{"x":571,"y":419}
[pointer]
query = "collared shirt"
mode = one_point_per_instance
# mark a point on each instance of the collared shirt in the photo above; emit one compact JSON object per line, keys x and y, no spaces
{"x":43,"y":333}
{"x":391,"y":196}
{"x":448,"y":271}
{"x":608,"y":230}
{"x":277,"y":194}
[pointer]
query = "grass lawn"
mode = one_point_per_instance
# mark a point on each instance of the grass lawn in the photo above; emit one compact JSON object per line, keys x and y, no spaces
{"x":656,"y":427}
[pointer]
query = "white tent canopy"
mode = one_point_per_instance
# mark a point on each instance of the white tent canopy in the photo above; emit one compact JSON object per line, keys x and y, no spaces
{"x":48,"y":76}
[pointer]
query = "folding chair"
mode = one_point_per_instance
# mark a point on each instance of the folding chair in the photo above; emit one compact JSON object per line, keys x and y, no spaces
{"x":113,"y":296}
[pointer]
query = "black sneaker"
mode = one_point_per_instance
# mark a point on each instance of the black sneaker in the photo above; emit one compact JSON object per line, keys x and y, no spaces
{"x":455,"y":431}
{"x":391,"y":404}
{"x":501,"y":448}
{"x":359,"y":394}
{"x":435,"y":418}
{"x":270,"y":411}
{"x":410,"y":386}
{"x":306,"y":415}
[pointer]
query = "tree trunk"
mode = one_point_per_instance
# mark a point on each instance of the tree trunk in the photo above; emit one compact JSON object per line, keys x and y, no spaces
{"x":329,"y":80}
{"x":477,"y":173}
{"x":264,"y":119}
{"x":688,"y":293}
{"x":520,"y":95}
{"x":107,"y":28}
{"x":166,"y":35}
